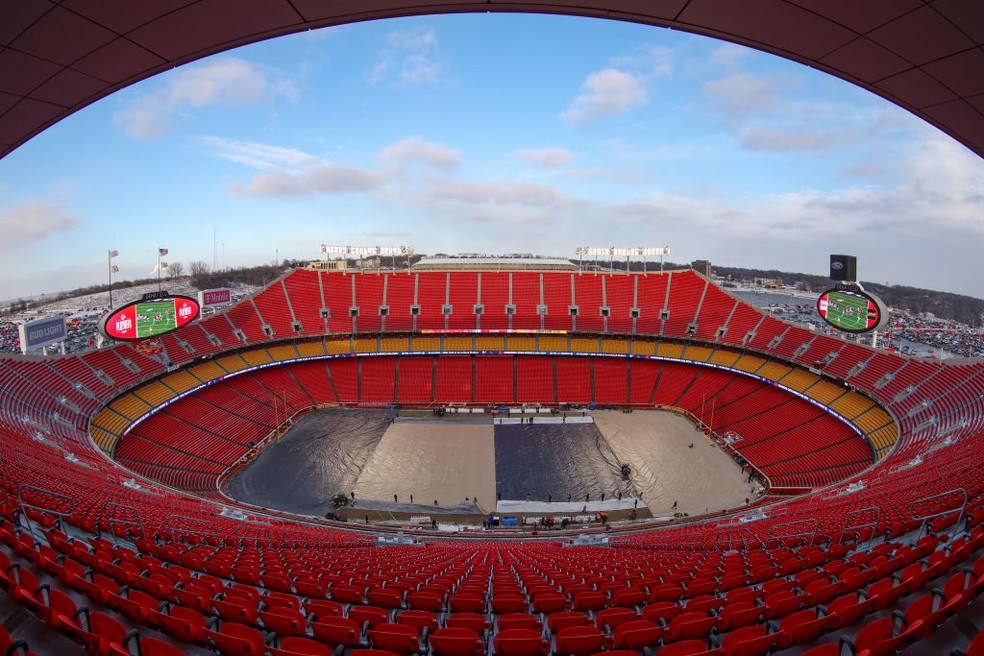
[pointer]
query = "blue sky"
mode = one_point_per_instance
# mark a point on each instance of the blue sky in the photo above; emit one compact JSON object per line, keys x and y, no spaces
{"x":492,"y":133}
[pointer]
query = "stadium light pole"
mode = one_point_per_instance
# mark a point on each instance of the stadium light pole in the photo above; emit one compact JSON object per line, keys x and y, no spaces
{"x":612,"y":251}
{"x":406,"y":252}
{"x":361,"y":251}
{"x":580,"y":250}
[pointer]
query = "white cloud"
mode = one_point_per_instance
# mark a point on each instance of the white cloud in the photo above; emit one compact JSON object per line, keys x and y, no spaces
{"x":32,"y":222}
{"x":410,"y":57}
{"x":322,"y":177}
{"x":420,"y":69}
{"x":143,"y":120}
{"x":631,"y":176}
{"x":786,"y":140}
{"x":940,"y":189}
{"x":388,"y":234}
{"x":866,"y":170}
{"x":289,"y":172}
{"x":504,"y":193}
{"x":258,"y":155}
{"x":415,"y":149}
{"x":755,"y":109}
{"x":223,"y":82}
{"x":729,"y":54}
{"x":505,"y":202}
{"x":419,"y":38}
{"x":738,"y":94}
{"x":548,"y":158}
{"x":606,"y":93}
{"x":228,"y":82}
{"x":648,"y":61}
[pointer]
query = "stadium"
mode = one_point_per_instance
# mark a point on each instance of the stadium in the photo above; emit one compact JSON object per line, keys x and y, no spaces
{"x":866,"y":537}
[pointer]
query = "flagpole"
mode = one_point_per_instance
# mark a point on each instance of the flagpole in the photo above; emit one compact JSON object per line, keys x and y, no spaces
{"x":110,"y":266}
{"x":161,"y":252}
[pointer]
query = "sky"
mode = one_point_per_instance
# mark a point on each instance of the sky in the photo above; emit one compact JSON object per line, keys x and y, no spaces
{"x":496,"y":134}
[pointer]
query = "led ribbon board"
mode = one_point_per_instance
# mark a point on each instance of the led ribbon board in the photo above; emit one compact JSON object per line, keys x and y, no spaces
{"x":151,"y":316}
{"x":852,"y":310}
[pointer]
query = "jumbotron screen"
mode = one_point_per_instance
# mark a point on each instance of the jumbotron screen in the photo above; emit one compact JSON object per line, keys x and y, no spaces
{"x":150,"y":318}
{"x":852,"y":311}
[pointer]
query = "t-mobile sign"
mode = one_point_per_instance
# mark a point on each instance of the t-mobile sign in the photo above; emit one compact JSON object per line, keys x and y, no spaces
{"x":210,"y":297}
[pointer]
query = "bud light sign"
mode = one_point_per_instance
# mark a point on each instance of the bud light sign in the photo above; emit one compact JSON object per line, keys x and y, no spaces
{"x":42,"y":332}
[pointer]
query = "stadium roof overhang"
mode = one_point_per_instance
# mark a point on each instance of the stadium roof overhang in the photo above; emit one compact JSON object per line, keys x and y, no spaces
{"x":57,"y":56}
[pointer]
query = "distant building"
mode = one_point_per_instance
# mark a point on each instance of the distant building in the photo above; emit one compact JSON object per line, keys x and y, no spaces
{"x":328,"y":265}
{"x":703,"y":267}
{"x":372,"y":262}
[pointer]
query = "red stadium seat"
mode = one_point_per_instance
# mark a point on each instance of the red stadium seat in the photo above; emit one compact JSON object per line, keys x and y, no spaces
{"x":397,"y":638}
{"x":283,"y":621}
{"x":368,"y":616}
{"x":638,"y":634}
{"x":520,"y":642}
{"x":509,"y":603}
{"x":185,"y":624}
{"x":550,"y":603}
{"x":560,"y":621}
{"x":749,"y":641}
{"x":688,"y":648}
{"x":474,"y":622}
{"x":661,"y":611}
{"x":828,"y":649}
{"x":336,"y":631}
{"x":519,"y":621}
{"x":236,"y":609}
{"x":323,"y":608}
{"x":471,"y":603}
{"x":419,"y":620}
{"x":103,"y":634}
{"x":610,"y":618}
{"x":456,"y":642}
{"x":690,"y":626}
{"x":581,"y":640}
{"x":234,"y":639}
{"x":803,"y":626}
{"x":300,"y":646}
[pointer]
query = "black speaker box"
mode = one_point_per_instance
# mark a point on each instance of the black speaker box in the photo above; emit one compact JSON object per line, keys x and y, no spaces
{"x":844,"y":268}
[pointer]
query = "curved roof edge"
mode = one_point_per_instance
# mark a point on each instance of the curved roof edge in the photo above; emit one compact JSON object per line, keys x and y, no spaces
{"x":923,"y":55}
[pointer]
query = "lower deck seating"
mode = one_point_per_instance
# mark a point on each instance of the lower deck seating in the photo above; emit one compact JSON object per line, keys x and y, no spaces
{"x":787,"y":574}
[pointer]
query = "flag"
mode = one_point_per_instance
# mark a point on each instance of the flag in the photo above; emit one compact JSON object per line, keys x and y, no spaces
{"x":162,"y":251}
{"x":115,"y":269}
{"x":113,"y":253}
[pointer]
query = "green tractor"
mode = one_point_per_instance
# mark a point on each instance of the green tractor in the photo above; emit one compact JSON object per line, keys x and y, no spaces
{"x":340,"y":500}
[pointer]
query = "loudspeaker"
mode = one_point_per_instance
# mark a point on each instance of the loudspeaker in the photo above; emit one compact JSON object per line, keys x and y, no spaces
{"x":844,"y":268}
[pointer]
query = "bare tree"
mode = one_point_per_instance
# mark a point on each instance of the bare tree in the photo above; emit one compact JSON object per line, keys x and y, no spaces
{"x":175,"y":269}
{"x":199,"y":268}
